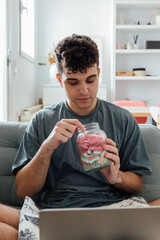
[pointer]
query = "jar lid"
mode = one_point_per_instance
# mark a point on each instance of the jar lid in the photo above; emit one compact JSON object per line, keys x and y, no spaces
{"x":139,"y":69}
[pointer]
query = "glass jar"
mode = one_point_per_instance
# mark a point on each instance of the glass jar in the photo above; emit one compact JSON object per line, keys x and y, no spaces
{"x":90,"y":146}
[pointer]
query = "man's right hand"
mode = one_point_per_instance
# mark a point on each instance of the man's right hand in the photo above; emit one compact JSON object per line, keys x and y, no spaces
{"x":61,"y":133}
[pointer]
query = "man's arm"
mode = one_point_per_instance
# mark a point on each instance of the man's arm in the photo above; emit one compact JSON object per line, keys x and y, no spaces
{"x":31,"y":178}
{"x":127,"y":182}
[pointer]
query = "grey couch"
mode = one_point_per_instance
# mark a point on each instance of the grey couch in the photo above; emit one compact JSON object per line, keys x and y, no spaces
{"x":10,"y":137}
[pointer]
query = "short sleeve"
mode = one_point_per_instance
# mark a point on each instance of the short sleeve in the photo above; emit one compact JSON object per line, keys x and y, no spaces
{"x":29,"y":146}
{"x":133,"y":153}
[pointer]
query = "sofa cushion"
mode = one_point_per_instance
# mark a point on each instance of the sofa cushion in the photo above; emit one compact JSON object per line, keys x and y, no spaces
{"x":10,"y":137}
{"x":151,"y":183}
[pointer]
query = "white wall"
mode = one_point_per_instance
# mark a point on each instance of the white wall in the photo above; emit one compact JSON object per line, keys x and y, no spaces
{"x":21,"y":85}
{"x":58,"y":19}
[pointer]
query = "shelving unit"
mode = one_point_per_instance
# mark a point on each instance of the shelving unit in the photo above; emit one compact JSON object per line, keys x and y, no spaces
{"x":124,"y":60}
{"x":138,"y":51}
{"x":137,"y":27}
{"x":136,"y":78}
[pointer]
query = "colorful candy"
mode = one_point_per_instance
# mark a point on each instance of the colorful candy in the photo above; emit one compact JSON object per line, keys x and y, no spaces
{"x":92,"y":154}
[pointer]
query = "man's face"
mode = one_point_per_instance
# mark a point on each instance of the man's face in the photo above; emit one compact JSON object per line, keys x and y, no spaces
{"x":81,"y":89}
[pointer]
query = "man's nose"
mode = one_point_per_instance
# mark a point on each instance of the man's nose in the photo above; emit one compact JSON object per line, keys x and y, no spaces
{"x":83,"y":89}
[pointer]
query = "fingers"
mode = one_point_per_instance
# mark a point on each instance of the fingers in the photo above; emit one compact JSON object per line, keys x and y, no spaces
{"x":110,"y":147}
{"x":112,"y":152}
{"x":74,"y":122}
{"x":65,"y":129}
{"x":62,"y":132}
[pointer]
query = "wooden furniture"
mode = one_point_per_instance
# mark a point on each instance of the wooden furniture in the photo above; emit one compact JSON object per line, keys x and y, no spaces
{"x":136,"y":108}
{"x":138,"y":111}
{"x":28,"y":113}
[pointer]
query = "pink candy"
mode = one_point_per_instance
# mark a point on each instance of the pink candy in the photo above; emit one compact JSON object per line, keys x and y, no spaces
{"x":92,"y":156}
{"x":90,"y":146}
{"x":90,"y":142}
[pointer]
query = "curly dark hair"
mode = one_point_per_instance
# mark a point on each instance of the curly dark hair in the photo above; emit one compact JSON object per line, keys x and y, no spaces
{"x":76,"y":53}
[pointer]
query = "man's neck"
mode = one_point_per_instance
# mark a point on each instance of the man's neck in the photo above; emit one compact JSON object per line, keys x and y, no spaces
{"x":83,"y":112}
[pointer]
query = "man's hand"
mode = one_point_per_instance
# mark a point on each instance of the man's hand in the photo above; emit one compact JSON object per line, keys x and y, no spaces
{"x":128,"y":182}
{"x":37,"y":168}
{"x":62,"y":131}
{"x":112,"y":173}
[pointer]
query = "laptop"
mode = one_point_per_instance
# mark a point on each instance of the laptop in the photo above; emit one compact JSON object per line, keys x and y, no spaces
{"x":100,"y":223}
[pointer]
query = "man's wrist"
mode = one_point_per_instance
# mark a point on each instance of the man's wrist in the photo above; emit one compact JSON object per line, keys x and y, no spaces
{"x":119,"y":180}
{"x":44,"y":150}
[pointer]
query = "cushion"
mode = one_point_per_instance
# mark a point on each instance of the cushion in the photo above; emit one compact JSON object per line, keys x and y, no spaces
{"x":151,"y":184}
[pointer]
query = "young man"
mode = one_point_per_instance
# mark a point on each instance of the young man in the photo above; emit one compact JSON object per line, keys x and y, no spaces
{"x":48,"y":160}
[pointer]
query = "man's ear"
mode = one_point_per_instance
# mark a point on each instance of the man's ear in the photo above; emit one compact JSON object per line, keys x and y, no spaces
{"x":59,"y":79}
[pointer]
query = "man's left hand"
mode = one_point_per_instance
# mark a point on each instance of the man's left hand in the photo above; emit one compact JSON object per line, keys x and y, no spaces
{"x":112,"y":172}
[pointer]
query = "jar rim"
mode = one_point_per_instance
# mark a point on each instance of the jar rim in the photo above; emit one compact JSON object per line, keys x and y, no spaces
{"x":88,"y":126}
{"x":91,"y":124}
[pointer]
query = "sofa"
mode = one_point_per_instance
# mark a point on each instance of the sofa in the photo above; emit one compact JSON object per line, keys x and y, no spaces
{"x":10,"y":137}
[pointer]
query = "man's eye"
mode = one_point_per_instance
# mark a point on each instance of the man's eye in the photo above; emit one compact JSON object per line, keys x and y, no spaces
{"x":91,"y":80}
{"x":72,"y":82}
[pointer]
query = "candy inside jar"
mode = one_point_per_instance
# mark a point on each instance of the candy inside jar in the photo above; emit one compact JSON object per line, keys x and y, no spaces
{"x":90,"y":146}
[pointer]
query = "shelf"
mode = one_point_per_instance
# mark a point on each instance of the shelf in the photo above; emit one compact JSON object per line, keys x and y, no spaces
{"x":126,"y":15}
{"x":138,"y":4}
{"x":137,"y":27}
{"x":138,"y":51}
{"x":135,"y":78}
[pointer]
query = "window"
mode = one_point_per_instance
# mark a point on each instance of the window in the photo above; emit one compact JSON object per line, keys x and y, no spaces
{"x":27,"y":26}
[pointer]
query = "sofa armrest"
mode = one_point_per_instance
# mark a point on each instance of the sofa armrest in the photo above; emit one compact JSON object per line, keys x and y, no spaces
{"x":151,"y":183}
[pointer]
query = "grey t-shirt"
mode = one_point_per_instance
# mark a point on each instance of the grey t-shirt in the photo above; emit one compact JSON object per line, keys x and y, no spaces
{"x":67,"y":185}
